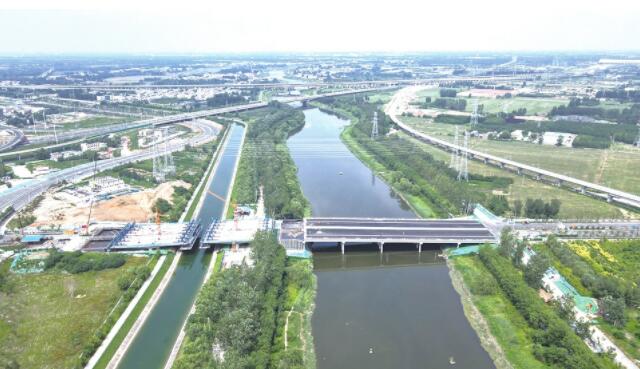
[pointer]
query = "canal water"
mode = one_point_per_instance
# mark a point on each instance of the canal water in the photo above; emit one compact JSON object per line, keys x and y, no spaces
{"x":152,"y":345}
{"x":391,"y":310}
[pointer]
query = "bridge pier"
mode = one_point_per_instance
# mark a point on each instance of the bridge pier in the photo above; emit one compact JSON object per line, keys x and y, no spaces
{"x":419,"y":247}
{"x":458,"y":245}
{"x":342,"y":247}
{"x":381,"y":246}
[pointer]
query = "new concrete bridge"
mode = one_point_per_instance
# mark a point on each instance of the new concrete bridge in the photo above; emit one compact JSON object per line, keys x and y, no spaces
{"x":381,"y":231}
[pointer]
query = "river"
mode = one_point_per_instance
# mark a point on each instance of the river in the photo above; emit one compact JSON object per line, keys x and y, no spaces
{"x":391,"y":310}
{"x":152,"y":345}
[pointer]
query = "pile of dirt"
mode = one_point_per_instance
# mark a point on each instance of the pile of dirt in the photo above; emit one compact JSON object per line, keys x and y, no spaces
{"x":128,"y":208}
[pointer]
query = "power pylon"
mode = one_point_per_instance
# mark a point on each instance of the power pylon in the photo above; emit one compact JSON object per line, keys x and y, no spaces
{"x":374,"y":126}
{"x":162,"y":160}
{"x":463,"y":168}
{"x":474,"y":115}
{"x":455,"y":151}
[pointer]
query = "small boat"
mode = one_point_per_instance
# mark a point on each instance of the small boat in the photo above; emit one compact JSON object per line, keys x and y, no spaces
{"x":340,"y":173}
{"x":451,"y":360}
{"x":371,"y":350}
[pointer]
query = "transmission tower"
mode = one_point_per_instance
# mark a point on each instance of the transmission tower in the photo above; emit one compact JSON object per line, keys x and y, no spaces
{"x":474,"y":115}
{"x":463,"y":168}
{"x":169,"y":166}
{"x":374,"y":126}
{"x":162,"y":160}
{"x":454,"y":153}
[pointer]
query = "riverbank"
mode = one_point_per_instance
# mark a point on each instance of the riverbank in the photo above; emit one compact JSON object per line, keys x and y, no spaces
{"x":484,"y":324}
{"x":417,"y":204}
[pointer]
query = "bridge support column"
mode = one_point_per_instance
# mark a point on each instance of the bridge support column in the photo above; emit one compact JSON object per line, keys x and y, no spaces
{"x":381,"y":246}
{"x":583,"y":190}
{"x":518,"y":171}
{"x":609,"y":198}
{"x":419,"y":247}
{"x":458,"y":245}
{"x":342,"y":247}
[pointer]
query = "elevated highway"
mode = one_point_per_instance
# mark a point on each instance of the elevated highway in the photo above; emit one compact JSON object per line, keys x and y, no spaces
{"x":584,"y":187}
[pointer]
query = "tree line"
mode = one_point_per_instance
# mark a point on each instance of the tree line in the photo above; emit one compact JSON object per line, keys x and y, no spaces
{"x":266,"y":162}
{"x":236,"y":313}
{"x":555,"y":342}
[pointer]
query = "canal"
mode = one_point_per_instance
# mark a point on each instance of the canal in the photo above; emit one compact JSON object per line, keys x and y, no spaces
{"x":152,"y":345}
{"x":391,"y":310}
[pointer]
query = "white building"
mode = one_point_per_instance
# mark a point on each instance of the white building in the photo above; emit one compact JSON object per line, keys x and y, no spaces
{"x":94,"y":146}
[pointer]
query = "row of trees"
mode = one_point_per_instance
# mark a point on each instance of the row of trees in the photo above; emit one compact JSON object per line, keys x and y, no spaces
{"x":556,"y":344}
{"x":537,"y":208}
{"x":625,"y":116}
{"x":625,"y":133}
{"x":79,"y":262}
{"x":446,"y":103}
{"x":236,"y":313}
{"x":266,"y":162}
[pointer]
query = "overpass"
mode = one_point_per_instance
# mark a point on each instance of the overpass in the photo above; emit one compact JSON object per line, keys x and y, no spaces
{"x":584,"y":187}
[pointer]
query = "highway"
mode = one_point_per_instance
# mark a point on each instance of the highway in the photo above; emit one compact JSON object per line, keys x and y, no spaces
{"x":21,"y":194}
{"x":610,"y":194}
{"x":18,"y":136}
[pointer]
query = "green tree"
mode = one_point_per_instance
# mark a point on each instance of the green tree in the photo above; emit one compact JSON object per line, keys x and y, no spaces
{"x":517,"y":207}
{"x":507,"y":242}
{"x":534,"y":270}
{"x":612,"y":310}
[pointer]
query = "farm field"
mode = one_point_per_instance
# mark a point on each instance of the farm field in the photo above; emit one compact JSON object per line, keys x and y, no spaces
{"x":48,"y":318}
{"x":616,"y":167}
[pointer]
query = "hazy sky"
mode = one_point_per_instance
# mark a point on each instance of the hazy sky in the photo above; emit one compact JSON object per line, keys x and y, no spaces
{"x":200,"y":26}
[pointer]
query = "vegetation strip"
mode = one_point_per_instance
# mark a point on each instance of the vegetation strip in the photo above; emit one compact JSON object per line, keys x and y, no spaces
{"x":125,"y":315}
{"x":142,"y":316}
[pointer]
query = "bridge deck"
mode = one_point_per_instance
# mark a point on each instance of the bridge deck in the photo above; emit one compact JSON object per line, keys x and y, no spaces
{"x":378,"y":230}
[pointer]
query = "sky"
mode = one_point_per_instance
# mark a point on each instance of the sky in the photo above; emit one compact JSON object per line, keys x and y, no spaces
{"x":232,"y":26}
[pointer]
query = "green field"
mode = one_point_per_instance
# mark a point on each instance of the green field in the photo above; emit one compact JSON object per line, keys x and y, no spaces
{"x":47,"y":318}
{"x":616,"y":167}
{"x":573,"y":205}
{"x":93,"y":122}
{"x":534,"y":105}
{"x":506,"y":325}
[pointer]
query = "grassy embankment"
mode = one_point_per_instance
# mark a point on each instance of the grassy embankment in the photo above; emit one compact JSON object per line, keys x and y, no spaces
{"x":48,"y":318}
{"x":135,"y":313}
{"x":506,"y":325}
